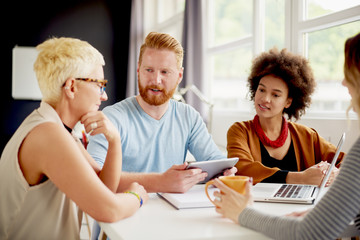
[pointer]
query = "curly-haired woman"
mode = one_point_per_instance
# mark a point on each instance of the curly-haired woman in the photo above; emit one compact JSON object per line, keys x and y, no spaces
{"x":270,"y":148}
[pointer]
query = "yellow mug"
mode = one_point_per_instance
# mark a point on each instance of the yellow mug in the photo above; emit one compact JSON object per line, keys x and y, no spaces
{"x":237,"y":183}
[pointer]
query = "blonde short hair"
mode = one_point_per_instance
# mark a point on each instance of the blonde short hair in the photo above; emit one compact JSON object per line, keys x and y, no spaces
{"x":163,"y":41}
{"x":60,"y":59}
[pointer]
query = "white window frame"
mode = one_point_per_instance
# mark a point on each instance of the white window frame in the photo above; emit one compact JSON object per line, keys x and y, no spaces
{"x":295,"y":27}
{"x":162,"y":26}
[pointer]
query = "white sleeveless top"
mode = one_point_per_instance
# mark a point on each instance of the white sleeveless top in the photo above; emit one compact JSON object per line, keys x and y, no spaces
{"x":33,"y":212}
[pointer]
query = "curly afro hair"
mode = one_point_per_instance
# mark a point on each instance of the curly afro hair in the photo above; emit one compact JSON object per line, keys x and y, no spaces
{"x":293,"y":69}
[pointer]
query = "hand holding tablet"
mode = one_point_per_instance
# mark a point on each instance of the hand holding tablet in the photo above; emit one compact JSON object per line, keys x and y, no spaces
{"x":213,"y":167}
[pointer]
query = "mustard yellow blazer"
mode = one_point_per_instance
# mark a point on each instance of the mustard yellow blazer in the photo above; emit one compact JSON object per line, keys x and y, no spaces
{"x":310,"y":149}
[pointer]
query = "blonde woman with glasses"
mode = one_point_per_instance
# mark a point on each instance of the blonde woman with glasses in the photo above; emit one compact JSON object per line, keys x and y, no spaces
{"x":46,"y":175}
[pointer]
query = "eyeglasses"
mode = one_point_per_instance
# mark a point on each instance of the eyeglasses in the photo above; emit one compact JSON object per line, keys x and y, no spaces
{"x":101,"y":81}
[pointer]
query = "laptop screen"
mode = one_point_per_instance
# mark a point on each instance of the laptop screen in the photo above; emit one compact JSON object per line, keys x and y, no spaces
{"x":328,"y":171}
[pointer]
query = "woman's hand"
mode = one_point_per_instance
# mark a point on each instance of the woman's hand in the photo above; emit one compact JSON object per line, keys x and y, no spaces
{"x":140,"y":190}
{"x":298,"y":214}
{"x":230,"y":203}
{"x":315,"y":174}
{"x":311,"y":176}
{"x":97,"y":123}
{"x":332,"y":176}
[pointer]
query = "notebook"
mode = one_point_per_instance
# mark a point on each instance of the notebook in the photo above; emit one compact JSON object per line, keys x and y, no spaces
{"x":194,"y":198}
{"x":294,"y":193}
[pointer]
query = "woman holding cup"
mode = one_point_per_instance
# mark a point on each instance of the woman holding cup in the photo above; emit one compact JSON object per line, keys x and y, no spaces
{"x":336,"y":209}
{"x":236,"y":183}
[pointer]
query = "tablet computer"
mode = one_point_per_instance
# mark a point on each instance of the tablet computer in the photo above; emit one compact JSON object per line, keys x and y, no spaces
{"x":213,"y":167}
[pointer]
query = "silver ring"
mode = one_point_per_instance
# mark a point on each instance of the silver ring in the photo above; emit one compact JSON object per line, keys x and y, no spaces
{"x":93,"y":125}
{"x":218,"y":199}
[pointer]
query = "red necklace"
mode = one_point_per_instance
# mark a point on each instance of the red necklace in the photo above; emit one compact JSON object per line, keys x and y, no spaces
{"x":265,"y":140}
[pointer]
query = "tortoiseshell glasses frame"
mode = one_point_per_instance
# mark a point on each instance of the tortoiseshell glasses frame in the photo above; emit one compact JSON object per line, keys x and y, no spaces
{"x":101,"y":81}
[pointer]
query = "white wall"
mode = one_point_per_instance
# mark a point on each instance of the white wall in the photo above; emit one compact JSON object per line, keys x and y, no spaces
{"x":330,"y":129}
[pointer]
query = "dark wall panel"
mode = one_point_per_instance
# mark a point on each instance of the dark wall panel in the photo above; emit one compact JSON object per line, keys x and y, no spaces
{"x":104,"y":24}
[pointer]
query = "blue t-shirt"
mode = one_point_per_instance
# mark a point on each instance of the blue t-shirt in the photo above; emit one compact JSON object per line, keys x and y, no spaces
{"x":150,"y":145}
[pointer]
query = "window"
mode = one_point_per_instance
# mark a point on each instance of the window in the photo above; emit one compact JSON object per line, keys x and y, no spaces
{"x":318,"y":8}
{"x":230,"y":43}
{"x":164,"y":16}
{"x":325,"y":27}
{"x":229,"y":20}
{"x":326,"y":56}
{"x":238,"y":30}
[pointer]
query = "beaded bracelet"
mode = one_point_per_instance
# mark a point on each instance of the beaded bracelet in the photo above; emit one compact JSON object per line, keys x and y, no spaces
{"x":137,"y":195}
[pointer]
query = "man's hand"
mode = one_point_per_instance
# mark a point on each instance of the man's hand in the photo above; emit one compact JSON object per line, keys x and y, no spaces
{"x":179,"y":179}
{"x":230,"y":172}
{"x":227,"y":172}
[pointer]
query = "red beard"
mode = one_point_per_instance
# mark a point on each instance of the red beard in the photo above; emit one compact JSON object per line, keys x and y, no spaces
{"x":155,"y":100}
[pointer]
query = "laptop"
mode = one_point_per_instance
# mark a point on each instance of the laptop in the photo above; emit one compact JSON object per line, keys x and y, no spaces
{"x":294,"y":193}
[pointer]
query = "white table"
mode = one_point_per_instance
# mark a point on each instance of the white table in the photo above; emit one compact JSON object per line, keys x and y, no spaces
{"x":157,"y":219}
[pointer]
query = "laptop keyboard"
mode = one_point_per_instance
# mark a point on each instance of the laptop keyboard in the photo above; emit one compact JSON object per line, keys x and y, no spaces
{"x":294,"y":191}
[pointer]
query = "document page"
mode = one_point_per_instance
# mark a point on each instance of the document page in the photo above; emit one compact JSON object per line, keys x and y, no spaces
{"x":194,"y":198}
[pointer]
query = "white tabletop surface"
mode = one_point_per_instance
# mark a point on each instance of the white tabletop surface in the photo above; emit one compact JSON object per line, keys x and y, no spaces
{"x":157,"y":219}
